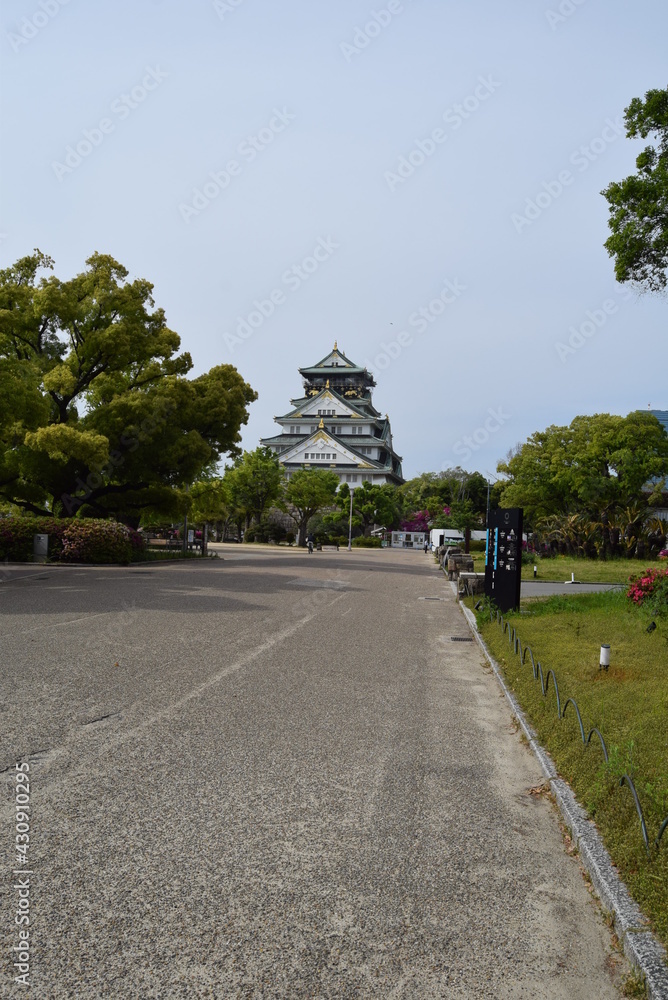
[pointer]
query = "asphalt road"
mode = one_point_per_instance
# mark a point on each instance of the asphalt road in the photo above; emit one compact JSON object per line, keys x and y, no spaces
{"x":277,"y":776}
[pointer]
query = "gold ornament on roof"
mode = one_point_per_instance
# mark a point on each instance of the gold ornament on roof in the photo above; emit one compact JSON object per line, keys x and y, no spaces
{"x":327,"y":384}
{"x":335,"y":346}
{"x":321,"y":426}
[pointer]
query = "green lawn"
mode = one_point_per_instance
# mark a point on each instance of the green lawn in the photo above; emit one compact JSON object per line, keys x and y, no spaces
{"x":560,"y":568}
{"x":628,"y":703}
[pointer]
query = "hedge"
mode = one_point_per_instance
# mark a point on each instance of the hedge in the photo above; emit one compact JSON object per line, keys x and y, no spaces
{"x":80,"y":540}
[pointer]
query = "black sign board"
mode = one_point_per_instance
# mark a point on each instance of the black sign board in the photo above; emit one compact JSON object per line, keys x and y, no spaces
{"x":503,"y":557}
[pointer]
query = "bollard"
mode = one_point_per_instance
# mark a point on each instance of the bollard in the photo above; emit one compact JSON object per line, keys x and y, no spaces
{"x":605,"y":658}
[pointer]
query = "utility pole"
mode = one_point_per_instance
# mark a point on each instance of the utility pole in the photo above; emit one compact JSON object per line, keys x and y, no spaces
{"x":350,"y":524}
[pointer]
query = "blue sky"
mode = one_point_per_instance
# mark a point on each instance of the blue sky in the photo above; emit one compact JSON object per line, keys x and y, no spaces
{"x":444,"y":160}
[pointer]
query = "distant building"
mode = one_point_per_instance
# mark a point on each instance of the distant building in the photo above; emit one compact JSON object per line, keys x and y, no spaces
{"x":662,"y":417}
{"x":334,"y":425}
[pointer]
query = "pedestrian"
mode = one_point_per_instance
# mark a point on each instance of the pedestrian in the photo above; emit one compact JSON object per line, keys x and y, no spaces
{"x":309,"y":544}
{"x":426,"y":546}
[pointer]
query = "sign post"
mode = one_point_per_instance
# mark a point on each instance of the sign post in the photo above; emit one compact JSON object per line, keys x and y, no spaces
{"x":503,"y":558}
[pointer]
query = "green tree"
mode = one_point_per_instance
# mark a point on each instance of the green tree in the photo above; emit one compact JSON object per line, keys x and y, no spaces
{"x":434,"y":491}
{"x":211,"y":504}
{"x":371,"y":504}
{"x":463,"y":516}
{"x":307,"y":492}
{"x":596,"y":465}
{"x":105,"y":422}
{"x":639,"y":203}
{"x":254,"y":483}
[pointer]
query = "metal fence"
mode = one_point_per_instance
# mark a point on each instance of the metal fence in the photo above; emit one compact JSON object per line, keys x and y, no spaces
{"x":538,"y":674}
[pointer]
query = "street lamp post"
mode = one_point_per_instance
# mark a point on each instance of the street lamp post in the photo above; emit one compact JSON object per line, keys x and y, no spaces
{"x":350,"y":524}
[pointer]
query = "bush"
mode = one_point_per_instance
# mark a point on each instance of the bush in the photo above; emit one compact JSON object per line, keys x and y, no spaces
{"x":477,"y":545}
{"x":650,"y":591}
{"x":289,"y":537}
{"x":81,"y":540}
{"x":364,"y":542}
{"x":16,"y":536}
{"x":340,"y":540}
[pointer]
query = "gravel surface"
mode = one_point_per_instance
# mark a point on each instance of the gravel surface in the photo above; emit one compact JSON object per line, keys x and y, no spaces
{"x":277,"y":776}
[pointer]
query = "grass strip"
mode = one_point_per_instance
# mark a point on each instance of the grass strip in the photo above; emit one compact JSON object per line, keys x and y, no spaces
{"x":628,"y":703}
{"x":559,"y":568}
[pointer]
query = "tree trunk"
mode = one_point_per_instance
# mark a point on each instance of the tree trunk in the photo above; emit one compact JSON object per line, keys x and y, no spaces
{"x":467,"y":540}
{"x":605,"y":545}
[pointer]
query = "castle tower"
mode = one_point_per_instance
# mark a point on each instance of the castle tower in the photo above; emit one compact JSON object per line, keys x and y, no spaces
{"x":334,"y":425}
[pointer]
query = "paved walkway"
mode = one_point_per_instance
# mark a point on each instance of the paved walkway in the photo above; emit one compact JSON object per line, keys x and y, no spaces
{"x":278,"y":776}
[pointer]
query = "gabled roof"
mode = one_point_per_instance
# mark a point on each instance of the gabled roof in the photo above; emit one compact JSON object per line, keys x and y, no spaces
{"x":335,"y":444}
{"x":335,"y":359}
{"x":299,"y":405}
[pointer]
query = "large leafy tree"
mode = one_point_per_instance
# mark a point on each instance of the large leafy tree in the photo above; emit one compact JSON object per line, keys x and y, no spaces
{"x":596,"y":465}
{"x":639,"y":203}
{"x":103,"y":420}
{"x":371,"y":504}
{"x":451,"y":490}
{"x":307,"y":492}
{"x":254,"y":483}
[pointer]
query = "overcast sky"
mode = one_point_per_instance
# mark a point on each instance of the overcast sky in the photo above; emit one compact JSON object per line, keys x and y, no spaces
{"x":419,"y":180}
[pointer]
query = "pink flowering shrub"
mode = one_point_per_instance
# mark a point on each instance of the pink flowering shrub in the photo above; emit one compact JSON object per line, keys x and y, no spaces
{"x":650,"y":590}
{"x":91,"y":541}
{"x":77,"y":540}
{"x":418,"y":521}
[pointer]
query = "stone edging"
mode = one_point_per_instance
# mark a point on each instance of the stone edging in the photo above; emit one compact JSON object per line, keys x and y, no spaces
{"x":642,"y":949}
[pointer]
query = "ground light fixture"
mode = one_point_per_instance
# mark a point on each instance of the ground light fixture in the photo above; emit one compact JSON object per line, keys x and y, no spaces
{"x":604,"y":661}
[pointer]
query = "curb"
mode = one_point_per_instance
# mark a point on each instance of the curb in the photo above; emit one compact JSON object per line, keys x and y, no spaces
{"x":642,"y":949}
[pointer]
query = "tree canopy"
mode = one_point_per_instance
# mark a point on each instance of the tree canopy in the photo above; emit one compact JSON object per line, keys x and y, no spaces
{"x":102,"y":418}
{"x":371,"y":504}
{"x":596,"y":464}
{"x":254,"y":483}
{"x":306,"y":493}
{"x":639,"y":203}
